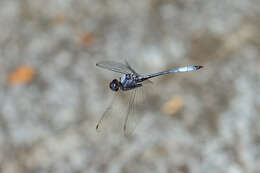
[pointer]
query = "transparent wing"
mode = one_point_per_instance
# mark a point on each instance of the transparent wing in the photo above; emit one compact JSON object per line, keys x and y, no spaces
{"x":130,"y":68}
{"x":128,"y":124}
{"x":133,"y":71}
{"x":119,"y":68}
{"x":123,"y":113}
{"x":115,"y":66}
{"x":106,"y":119}
{"x":135,"y":110}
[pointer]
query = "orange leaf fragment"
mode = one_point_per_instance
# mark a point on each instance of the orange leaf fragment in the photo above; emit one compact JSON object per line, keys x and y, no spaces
{"x":87,"y":38}
{"x":21,"y":75}
{"x":173,"y":106}
{"x":59,"y":19}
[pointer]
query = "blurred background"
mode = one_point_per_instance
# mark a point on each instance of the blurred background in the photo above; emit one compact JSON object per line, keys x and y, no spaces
{"x":52,"y":94}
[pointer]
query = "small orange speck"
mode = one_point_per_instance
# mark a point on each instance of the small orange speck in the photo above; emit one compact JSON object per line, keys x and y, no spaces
{"x":87,"y":38}
{"x":59,"y":19}
{"x":173,"y":106}
{"x":20,"y":75}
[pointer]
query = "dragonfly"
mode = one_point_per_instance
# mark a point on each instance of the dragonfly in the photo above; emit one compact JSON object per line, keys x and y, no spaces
{"x":131,"y":81}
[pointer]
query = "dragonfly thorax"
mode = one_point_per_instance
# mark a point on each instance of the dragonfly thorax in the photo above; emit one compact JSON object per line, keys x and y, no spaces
{"x":126,"y":82}
{"x":129,"y":81}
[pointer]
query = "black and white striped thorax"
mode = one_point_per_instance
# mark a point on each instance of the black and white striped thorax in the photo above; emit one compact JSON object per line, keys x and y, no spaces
{"x":129,"y":81}
{"x":126,"y":82}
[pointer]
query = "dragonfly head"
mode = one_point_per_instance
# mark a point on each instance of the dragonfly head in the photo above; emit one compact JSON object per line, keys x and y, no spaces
{"x":114,"y":85}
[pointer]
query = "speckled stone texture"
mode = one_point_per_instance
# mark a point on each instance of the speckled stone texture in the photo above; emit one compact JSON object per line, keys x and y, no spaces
{"x":48,"y":124}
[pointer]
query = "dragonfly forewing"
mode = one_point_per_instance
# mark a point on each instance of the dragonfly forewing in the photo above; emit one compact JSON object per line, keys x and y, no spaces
{"x":114,"y":66}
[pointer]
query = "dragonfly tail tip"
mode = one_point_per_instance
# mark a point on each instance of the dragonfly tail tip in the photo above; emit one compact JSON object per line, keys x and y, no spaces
{"x":199,"y":67}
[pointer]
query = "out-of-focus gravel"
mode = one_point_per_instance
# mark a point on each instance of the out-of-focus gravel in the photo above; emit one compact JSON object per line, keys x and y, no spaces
{"x":48,"y":124}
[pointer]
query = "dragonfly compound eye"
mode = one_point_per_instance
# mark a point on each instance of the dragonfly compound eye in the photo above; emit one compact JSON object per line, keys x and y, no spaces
{"x":114,"y":85}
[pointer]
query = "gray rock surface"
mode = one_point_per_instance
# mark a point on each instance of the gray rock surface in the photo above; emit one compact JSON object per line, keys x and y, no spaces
{"x":48,"y":124}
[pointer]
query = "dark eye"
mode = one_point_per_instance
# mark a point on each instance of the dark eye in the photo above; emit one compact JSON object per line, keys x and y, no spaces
{"x":114,"y":85}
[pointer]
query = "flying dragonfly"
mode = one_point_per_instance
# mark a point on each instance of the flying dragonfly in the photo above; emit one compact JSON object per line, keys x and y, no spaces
{"x":131,"y":81}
